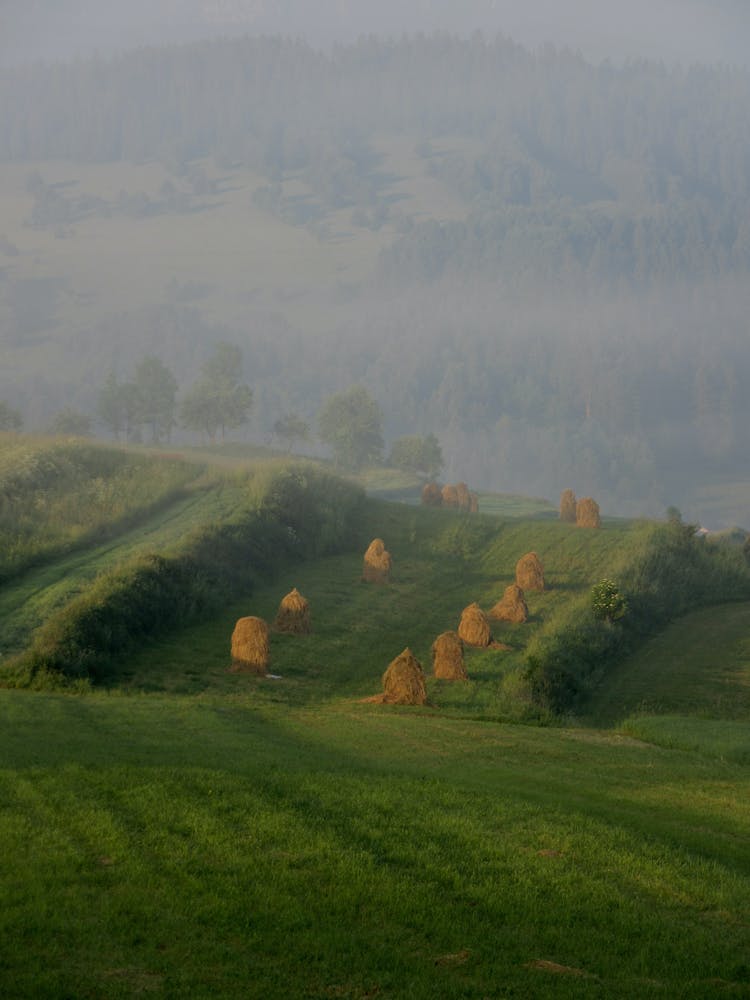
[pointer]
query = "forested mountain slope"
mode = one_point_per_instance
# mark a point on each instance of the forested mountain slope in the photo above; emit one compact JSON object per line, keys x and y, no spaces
{"x":537,"y":258}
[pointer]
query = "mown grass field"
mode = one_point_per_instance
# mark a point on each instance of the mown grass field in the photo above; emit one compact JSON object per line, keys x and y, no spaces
{"x":176,"y":846}
{"x":182,"y":831}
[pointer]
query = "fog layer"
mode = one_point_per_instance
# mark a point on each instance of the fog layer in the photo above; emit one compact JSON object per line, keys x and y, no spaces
{"x":671,"y":30}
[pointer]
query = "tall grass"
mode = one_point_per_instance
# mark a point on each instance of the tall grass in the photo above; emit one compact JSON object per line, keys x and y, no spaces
{"x":55,"y":496}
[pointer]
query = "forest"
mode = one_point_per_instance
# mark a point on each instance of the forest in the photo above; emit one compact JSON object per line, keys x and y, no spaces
{"x":539,"y":259}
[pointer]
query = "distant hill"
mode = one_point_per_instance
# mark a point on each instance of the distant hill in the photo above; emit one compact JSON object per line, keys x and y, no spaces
{"x":686,"y":30}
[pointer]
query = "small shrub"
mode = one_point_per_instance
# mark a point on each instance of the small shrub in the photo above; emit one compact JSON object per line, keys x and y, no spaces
{"x":607,"y":602}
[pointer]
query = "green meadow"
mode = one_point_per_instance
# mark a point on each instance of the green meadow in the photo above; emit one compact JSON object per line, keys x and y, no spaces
{"x":172,"y":829}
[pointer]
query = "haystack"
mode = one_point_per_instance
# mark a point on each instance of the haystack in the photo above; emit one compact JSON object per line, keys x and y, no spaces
{"x":378,"y":563}
{"x":568,"y":506}
{"x":450,"y":496}
{"x":474,"y":628}
{"x":250,"y":648}
{"x":448,"y":657}
{"x":403,"y":681}
{"x":473,"y":503}
{"x":511,"y":607}
{"x":587,"y":513}
{"x":463,"y":496}
{"x":294,"y":614}
{"x":530,"y":572}
{"x":432,"y":495}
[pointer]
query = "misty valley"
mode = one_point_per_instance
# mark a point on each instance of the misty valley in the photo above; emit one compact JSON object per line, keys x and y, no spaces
{"x":374,"y":507}
{"x":539,"y":260}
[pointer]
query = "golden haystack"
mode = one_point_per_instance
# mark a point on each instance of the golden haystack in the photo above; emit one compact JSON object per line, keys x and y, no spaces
{"x":293,"y":614}
{"x":403,"y":681}
{"x":250,"y":648}
{"x":448,"y":657}
{"x":450,"y":496}
{"x":463,"y":496}
{"x":378,"y":563}
{"x":530,"y":572}
{"x":473,"y":503}
{"x":568,"y":506}
{"x":587,"y":513}
{"x":511,"y":607}
{"x":432,"y":495}
{"x":474,"y":628}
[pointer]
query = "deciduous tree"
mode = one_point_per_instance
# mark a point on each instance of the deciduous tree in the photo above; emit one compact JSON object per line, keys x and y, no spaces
{"x":421,"y":455}
{"x":350,"y":424}
{"x":218,"y":400}
{"x":156,"y":389}
{"x":291,"y":428}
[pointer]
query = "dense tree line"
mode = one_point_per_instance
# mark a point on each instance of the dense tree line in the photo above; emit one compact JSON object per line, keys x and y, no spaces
{"x":550,"y":123}
{"x":688,"y":240}
{"x":634,"y":171}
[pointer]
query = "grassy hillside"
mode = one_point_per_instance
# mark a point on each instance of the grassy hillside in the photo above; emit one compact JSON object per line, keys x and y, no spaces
{"x":215,"y":847}
{"x":698,"y":666}
{"x":58,"y":495}
{"x":186,"y":831}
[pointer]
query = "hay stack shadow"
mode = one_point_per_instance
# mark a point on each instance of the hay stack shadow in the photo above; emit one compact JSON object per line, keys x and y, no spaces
{"x":250,"y":646}
{"x":448,"y":657}
{"x":293,"y":615}
{"x":377,"y":563}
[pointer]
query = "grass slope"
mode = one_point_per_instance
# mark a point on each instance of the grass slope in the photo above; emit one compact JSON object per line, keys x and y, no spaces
{"x":191,"y":832}
{"x":206,"y":847}
{"x":30,"y":600}
{"x":687,"y":688}
{"x":699,"y":665}
{"x":442,"y":562}
{"x":57,"y":495}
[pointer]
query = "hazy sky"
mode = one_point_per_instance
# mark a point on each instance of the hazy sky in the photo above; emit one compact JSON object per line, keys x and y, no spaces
{"x":685,"y":30}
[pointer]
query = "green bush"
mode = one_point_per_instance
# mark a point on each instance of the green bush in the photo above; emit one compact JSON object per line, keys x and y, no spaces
{"x":607,"y":603}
